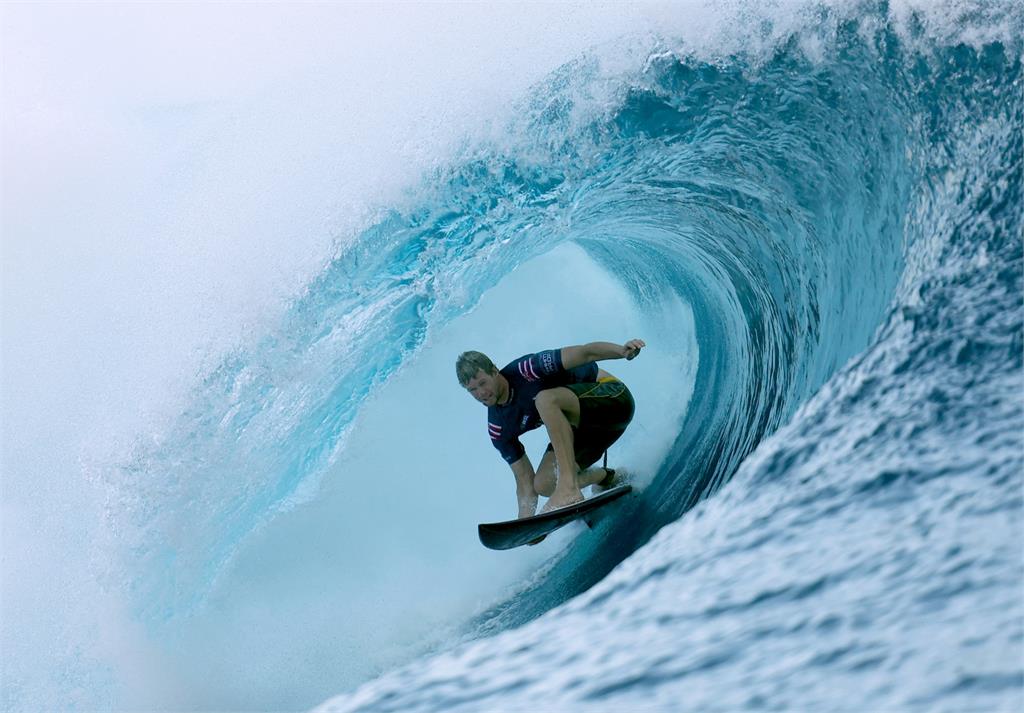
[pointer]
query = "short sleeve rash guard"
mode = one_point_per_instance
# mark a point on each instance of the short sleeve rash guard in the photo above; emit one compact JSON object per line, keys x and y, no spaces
{"x":527,"y":376}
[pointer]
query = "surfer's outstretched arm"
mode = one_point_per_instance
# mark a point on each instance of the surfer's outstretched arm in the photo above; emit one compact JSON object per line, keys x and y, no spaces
{"x":525,"y":492}
{"x":599,"y":351}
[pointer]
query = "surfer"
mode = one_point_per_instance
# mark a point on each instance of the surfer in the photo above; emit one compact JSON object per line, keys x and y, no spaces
{"x":584,"y":408}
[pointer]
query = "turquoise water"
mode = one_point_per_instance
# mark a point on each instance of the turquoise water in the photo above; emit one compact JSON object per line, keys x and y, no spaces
{"x":814,"y":222}
{"x":837,"y":524}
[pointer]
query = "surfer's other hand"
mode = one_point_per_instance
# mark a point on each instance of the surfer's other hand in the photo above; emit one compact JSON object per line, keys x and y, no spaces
{"x":631,"y":349}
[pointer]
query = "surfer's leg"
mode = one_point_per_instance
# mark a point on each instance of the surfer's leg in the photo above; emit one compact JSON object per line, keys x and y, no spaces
{"x":544,"y":480}
{"x":559,"y":409}
{"x":583,"y":420}
{"x":544,"y":483}
{"x":606,"y":408}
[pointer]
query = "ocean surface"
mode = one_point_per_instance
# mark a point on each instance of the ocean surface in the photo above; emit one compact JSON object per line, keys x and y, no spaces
{"x":813,"y":216}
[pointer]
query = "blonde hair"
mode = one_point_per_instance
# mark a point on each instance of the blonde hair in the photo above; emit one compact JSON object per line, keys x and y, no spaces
{"x":469,"y":363}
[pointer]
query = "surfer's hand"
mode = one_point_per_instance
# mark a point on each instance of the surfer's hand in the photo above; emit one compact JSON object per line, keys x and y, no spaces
{"x":631,"y":349}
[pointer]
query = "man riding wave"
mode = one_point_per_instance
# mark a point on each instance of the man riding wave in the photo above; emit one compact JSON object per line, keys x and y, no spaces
{"x":584,"y":408}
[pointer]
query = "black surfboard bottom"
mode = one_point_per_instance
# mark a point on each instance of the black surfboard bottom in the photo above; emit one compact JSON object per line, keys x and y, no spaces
{"x":515,"y":533}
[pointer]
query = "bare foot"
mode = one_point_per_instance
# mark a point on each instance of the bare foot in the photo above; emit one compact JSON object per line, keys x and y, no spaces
{"x":559,"y":500}
{"x":617,"y":476}
{"x":610,"y":481}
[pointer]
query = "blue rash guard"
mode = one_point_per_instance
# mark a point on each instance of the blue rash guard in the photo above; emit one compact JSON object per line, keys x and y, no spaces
{"x":527,"y":376}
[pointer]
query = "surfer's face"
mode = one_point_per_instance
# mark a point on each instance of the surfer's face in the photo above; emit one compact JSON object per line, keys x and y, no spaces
{"x":485,"y":388}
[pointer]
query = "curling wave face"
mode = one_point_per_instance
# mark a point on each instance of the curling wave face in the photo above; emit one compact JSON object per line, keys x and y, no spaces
{"x":857,"y":203}
{"x":853,"y":222}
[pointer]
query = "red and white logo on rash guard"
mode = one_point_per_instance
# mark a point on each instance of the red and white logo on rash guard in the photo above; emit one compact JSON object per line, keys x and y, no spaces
{"x":494,"y":430}
{"x":527,"y":371}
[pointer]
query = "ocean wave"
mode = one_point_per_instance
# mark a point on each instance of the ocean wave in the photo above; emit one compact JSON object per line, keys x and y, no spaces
{"x":834,"y":194}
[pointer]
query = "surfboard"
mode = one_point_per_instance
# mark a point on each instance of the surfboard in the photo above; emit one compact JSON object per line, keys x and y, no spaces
{"x":515,"y":533}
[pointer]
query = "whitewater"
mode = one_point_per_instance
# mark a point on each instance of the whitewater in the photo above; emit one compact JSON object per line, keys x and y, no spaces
{"x":238,"y":472}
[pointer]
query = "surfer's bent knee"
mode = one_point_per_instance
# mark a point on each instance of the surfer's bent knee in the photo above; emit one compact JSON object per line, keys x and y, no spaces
{"x":544,"y":485}
{"x":565,"y":400}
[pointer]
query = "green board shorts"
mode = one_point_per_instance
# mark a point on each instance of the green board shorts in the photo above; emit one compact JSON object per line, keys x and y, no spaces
{"x":606,"y":408}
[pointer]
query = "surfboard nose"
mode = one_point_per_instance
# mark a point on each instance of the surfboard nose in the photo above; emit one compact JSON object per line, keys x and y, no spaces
{"x":529,"y":530}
